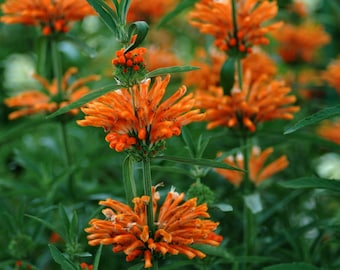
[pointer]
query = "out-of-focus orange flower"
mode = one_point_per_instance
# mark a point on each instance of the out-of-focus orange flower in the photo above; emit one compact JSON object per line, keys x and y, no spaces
{"x":138,"y":117}
{"x":161,"y":57}
{"x":332,"y":74}
{"x":258,"y":171}
{"x":258,"y":101}
{"x":299,"y":8}
{"x":148,"y":10}
{"x":49,"y":100}
{"x":54,"y":238}
{"x":53,"y":16}
{"x":215,"y":18}
{"x":178,"y":226}
{"x":209,"y":69}
{"x":330,"y":130}
{"x":299,"y":43}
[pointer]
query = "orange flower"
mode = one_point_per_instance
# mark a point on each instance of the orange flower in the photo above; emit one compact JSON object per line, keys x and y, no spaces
{"x":161,"y":57}
{"x":138,"y":118}
{"x":86,"y":266}
{"x":215,"y":18}
{"x":178,"y":226}
{"x":259,"y":101}
{"x":148,"y":10}
{"x":52,"y":15}
{"x":258,"y":172}
{"x":210,"y":68}
{"x":332,"y":74}
{"x":35,"y":101}
{"x":299,"y":43}
{"x":330,"y":130}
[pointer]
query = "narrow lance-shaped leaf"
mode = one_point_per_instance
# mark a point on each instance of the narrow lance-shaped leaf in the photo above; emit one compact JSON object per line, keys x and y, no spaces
{"x":199,"y":161}
{"x":97,"y":258}
{"x":61,"y":259}
{"x":167,"y":70}
{"x":123,"y":10}
{"x":313,"y":182}
{"x":140,"y":28}
{"x":128,"y":179}
{"x":87,"y":98}
{"x":313,"y":119}
{"x":228,"y":75}
{"x":105,"y":13}
{"x":291,"y":266}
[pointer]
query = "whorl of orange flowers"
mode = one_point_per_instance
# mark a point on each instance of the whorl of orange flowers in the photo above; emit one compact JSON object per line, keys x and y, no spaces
{"x":330,"y":130}
{"x":49,"y":100}
{"x":332,"y":74}
{"x":215,"y":18}
{"x":258,"y":101}
{"x":258,"y":171}
{"x":53,"y":16}
{"x":138,"y":117}
{"x":299,"y":43}
{"x":178,"y":226}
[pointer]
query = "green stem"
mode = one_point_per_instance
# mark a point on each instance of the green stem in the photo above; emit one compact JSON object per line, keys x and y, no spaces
{"x":67,"y":157}
{"x":128,"y":179}
{"x":148,"y":191}
{"x":57,"y":69}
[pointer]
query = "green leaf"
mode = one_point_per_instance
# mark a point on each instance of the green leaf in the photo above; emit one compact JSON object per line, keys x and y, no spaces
{"x":186,"y":136}
{"x":105,"y":13}
{"x":216,"y":251}
{"x":123,"y":9}
{"x":224,"y":207}
{"x":61,"y":259}
{"x":171,"y":169}
{"x":182,"y":5}
{"x":313,"y":182}
{"x":128,"y":179}
{"x":137,"y":267}
{"x":228,"y":75}
{"x":291,"y":266}
{"x":87,"y":98}
{"x":199,"y":161}
{"x":52,"y":227}
{"x":73,"y":227}
{"x":314,"y":118}
{"x":176,"y":265}
{"x":167,"y":70}
{"x":140,"y":28}
{"x":97,"y":258}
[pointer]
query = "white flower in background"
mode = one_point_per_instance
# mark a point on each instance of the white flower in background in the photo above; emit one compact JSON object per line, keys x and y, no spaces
{"x":328,"y":166}
{"x":18,"y":72}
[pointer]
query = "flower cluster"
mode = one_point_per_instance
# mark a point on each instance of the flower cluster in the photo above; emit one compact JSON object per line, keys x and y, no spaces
{"x":299,"y":43}
{"x":138,"y":118}
{"x":178,"y":226}
{"x":53,"y":16}
{"x":258,"y":171}
{"x":330,"y":130}
{"x":258,"y":101}
{"x":130,"y":68}
{"x":215,"y":18}
{"x":49,"y":100}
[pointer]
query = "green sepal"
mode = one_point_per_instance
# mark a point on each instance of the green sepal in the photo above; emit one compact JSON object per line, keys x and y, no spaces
{"x":85,"y":99}
{"x":227,"y":75}
{"x":140,"y":28}
{"x":314,"y":118}
{"x":105,"y":13}
{"x":167,"y":70}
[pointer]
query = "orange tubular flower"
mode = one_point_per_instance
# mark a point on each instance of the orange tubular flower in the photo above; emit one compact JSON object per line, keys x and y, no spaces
{"x":49,"y":100}
{"x":257,"y":102}
{"x":299,"y":43}
{"x":332,"y":74}
{"x":215,"y":18}
{"x":179,"y":225}
{"x":330,"y":130}
{"x":138,"y":118}
{"x":258,"y":172}
{"x":52,"y":15}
